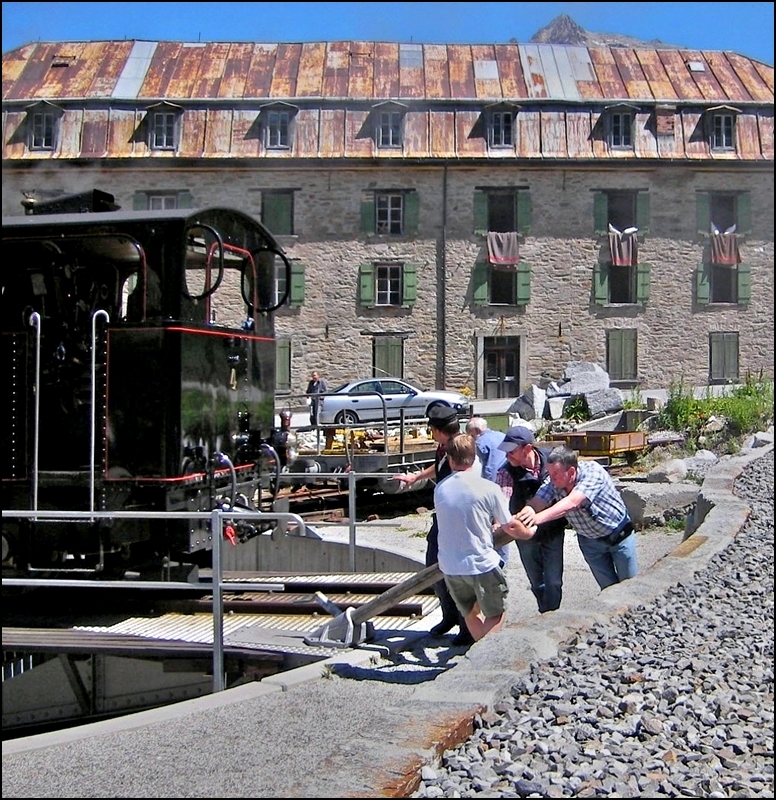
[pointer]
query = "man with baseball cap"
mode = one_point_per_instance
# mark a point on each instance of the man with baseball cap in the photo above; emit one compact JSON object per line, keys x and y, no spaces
{"x":520,"y":478}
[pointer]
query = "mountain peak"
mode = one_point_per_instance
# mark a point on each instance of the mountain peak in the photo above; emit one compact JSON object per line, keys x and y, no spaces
{"x":563,"y":30}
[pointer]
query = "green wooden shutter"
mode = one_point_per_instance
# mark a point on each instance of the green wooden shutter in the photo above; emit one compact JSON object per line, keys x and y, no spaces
{"x":744,"y":213}
{"x":523,"y":284}
{"x":524,"y":213}
{"x":277,"y":213}
{"x":744,"y":284}
{"x":601,"y":284}
{"x":184,"y":199}
{"x":643,"y":274}
{"x":388,"y":357}
{"x":140,"y":201}
{"x":600,"y":213}
{"x":366,"y":276}
{"x":703,"y":212}
{"x":409,"y":284}
{"x":411,"y":207}
{"x":480,"y":213}
{"x":621,"y":352}
{"x":296,"y":289}
{"x":368,"y":213}
{"x":723,"y":356}
{"x":702,"y":285}
{"x":283,"y":365}
{"x":480,"y":275}
{"x":642,"y":212}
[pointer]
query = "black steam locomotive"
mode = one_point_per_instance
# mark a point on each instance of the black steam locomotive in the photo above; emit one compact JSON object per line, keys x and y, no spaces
{"x":139,"y":355}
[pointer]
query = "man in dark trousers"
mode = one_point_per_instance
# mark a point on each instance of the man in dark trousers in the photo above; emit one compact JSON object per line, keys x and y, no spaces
{"x":520,"y":479}
{"x":444,"y":425}
{"x":316,"y":386}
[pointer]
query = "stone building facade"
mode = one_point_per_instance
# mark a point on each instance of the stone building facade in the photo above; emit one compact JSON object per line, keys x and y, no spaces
{"x":386,"y":191}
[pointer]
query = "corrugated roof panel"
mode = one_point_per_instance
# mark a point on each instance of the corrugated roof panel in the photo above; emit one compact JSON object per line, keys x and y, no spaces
{"x":461,"y":72}
{"x":185,"y":75}
{"x":466,"y":144}
{"x":510,"y":72}
{"x":122,"y":124}
{"x":335,"y":71}
{"x":436,"y":76}
{"x":554,"y":133}
{"x":332,"y":128}
{"x":211,"y":70}
{"x":309,"y":82}
{"x":655,"y":73}
{"x":528,"y":133}
{"x":579,"y":128}
{"x":236,"y":68}
{"x":14,"y":64}
{"x":131,"y":69}
{"x":261,"y":70}
{"x":753,"y":75}
{"x":726,"y":76}
{"x":157,"y":79}
{"x":245,"y":133}
{"x":705,"y":80}
{"x":765,"y":129}
{"x":636,"y":84}
{"x":747,"y":134}
{"x":534,"y":71}
{"x":684,"y":86}
{"x":94,"y":136}
{"x":608,"y":74}
{"x":361,"y":78}
{"x":218,"y":131}
{"x":411,"y":80}
{"x":286,"y":70}
{"x":385,"y":71}
{"x":442,"y":134}
{"x":565,"y":72}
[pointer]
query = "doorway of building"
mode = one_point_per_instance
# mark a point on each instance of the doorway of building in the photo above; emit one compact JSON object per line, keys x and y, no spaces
{"x":501,"y":355}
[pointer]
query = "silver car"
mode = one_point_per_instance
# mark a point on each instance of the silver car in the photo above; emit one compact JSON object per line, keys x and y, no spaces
{"x":360,"y":401}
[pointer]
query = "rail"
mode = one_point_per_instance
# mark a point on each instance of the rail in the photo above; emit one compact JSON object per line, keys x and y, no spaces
{"x":216,"y":586}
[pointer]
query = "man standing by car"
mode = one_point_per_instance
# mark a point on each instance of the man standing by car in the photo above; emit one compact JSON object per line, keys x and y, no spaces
{"x":316,"y":386}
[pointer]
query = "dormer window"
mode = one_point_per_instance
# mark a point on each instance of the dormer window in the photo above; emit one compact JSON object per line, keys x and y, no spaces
{"x":43,"y":126}
{"x":389,"y":125}
{"x":619,"y":121}
{"x":277,"y":126}
{"x":500,"y":124}
{"x":164,"y":126}
{"x":722,"y":128}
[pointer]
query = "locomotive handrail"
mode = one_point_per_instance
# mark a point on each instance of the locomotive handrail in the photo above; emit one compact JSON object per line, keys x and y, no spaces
{"x":216,"y":517}
{"x":93,"y":457}
{"x":36,"y":323}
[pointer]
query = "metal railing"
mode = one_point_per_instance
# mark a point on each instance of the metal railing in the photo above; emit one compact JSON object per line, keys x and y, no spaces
{"x":217,"y":586}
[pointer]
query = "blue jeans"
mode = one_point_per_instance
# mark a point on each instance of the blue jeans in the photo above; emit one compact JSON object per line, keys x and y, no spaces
{"x":610,"y":563}
{"x":542,"y":559}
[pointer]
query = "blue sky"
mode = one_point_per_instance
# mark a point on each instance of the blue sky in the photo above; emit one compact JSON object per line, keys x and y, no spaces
{"x":745,"y":28}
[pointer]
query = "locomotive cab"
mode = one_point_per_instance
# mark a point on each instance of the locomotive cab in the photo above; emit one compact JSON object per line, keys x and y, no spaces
{"x":141,"y":355}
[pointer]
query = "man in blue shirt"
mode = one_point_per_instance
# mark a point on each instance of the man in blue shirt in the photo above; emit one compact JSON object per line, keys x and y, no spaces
{"x":487,"y":441}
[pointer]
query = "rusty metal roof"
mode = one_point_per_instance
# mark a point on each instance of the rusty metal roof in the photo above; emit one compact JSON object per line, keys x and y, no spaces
{"x":233,"y":72}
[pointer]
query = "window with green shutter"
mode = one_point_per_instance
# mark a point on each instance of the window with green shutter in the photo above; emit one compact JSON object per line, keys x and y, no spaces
{"x":622,"y":354}
{"x":390,"y":212}
{"x":502,"y":210}
{"x":621,"y":209}
{"x":277,"y":211}
{"x":296,"y":289}
{"x":723,"y":357}
{"x":723,"y":211}
{"x":283,"y":365}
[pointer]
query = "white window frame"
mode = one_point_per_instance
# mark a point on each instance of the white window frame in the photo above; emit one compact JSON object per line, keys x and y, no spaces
{"x":501,"y":131}
{"x":43,"y":130}
{"x":723,"y":128}
{"x":278,"y":130}
{"x":389,"y":129}
{"x":280,"y":283}
{"x":389,"y":212}
{"x":621,"y":130}
{"x":162,"y":202}
{"x":164,"y":130}
{"x":388,"y":284}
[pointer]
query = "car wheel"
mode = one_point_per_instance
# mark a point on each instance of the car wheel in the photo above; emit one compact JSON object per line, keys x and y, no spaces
{"x":346,"y":418}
